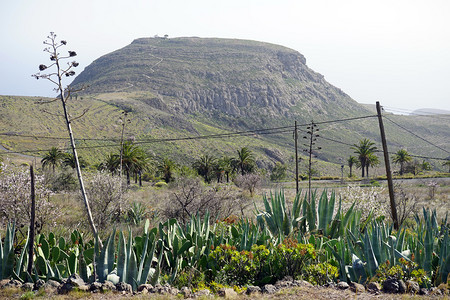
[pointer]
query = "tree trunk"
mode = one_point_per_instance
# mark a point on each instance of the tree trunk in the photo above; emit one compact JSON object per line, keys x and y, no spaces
{"x":32,"y":221}
{"x":128,"y":177}
{"x":140,"y":178}
{"x":77,"y":166}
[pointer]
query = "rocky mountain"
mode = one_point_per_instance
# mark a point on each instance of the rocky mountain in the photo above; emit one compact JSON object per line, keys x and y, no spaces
{"x":178,"y":89}
{"x":236,"y":78}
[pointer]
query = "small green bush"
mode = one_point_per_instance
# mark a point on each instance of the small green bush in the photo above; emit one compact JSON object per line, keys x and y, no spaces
{"x":320,"y":274}
{"x":405,"y":270}
{"x":290,"y":258}
{"x":238,"y":267}
{"x":161,"y":184}
{"x":373,"y":182}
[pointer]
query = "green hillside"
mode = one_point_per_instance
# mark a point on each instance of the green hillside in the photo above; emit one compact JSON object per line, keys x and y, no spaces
{"x":191,"y":87}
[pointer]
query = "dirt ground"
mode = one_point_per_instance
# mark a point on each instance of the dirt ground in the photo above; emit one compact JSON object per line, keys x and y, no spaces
{"x":302,"y":293}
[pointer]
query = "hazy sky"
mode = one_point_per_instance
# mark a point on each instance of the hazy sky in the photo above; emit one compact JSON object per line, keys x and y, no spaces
{"x":396,"y":52}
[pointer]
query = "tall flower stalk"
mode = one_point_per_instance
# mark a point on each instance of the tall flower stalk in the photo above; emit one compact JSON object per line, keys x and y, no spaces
{"x":52,"y":47}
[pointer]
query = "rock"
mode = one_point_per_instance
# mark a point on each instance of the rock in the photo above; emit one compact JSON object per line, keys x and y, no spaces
{"x":163,"y":289}
{"x":108,"y":286}
{"x":124,"y":287}
{"x":40,"y":283}
{"x":227,"y":293}
{"x":145,"y":287}
{"x":50,"y":287}
{"x":113,"y":278}
{"x":253,"y":290}
{"x":374,"y":288}
{"x":342,"y":285}
{"x":303,"y":283}
{"x":186,"y":292}
{"x":357,"y":287}
{"x":392,"y":285}
{"x":84,"y":288}
{"x":96,"y":287}
{"x":76,"y":281}
{"x":65,"y":288}
{"x":3,"y":282}
{"x":13,"y":284}
{"x":423,"y":291}
{"x":412,"y":287}
{"x":27,"y":286}
{"x":202,"y":293}
{"x":174,"y":291}
{"x":269,"y":289}
{"x":280,"y":284}
{"x":435,"y":291}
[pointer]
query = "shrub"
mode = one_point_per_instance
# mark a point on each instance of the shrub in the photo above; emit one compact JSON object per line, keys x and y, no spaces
{"x":366,"y":200}
{"x":291,"y":257}
{"x":190,"y":197}
{"x":406,"y":270}
{"x":63,"y":181}
{"x":189,"y":277}
{"x":321,"y":273}
{"x":278,"y":172}
{"x":107,"y":198}
{"x":15,"y":200}
{"x":249,"y":182}
{"x":161,"y":184}
{"x":238,"y":267}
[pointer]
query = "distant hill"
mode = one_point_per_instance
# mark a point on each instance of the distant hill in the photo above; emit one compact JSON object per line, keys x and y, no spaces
{"x":431,"y":111}
{"x":189,"y":87}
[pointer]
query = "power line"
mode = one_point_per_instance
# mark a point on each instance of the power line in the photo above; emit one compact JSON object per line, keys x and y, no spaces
{"x":226,"y":135}
{"x":404,"y":128}
{"x":343,"y":120}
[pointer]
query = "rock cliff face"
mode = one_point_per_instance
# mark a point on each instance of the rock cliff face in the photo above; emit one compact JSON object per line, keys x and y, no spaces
{"x":237,"y":78}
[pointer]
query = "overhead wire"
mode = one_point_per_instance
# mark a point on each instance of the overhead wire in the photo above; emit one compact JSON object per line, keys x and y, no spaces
{"x":260,"y":131}
{"x":419,"y":137}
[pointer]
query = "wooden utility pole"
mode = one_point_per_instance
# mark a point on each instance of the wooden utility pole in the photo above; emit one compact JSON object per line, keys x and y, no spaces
{"x":388,"y":168}
{"x":312,"y":138}
{"x":32,"y":221}
{"x":296,"y":157}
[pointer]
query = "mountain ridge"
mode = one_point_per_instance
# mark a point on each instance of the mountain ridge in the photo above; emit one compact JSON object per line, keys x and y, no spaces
{"x":178,"y":89}
{"x":235,"y":77}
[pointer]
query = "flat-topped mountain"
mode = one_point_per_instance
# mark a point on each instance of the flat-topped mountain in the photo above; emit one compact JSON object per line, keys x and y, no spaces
{"x":207,"y":75}
{"x":178,"y":89}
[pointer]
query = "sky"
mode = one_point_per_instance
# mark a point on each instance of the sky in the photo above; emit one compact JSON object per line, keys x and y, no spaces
{"x":393,"y":51}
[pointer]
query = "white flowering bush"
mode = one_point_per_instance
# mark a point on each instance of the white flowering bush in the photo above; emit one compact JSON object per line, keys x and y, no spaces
{"x":15,"y":199}
{"x":106,"y":198}
{"x":366,"y":199}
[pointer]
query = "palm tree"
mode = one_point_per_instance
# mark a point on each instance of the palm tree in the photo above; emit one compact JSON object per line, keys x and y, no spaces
{"x":134,"y":159}
{"x":372,"y":161}
{"x":205,"y":166}
{"x":351,"y":162}
{"x":245,"y":161}
{"x":111,"y":163}
{"x":401,"y":157}
{"x":69,"y":161}
{"x":166,"y":168}
{"x":225,"y":164}
{"x":364,"y":149}
{"x":53,"y":158}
